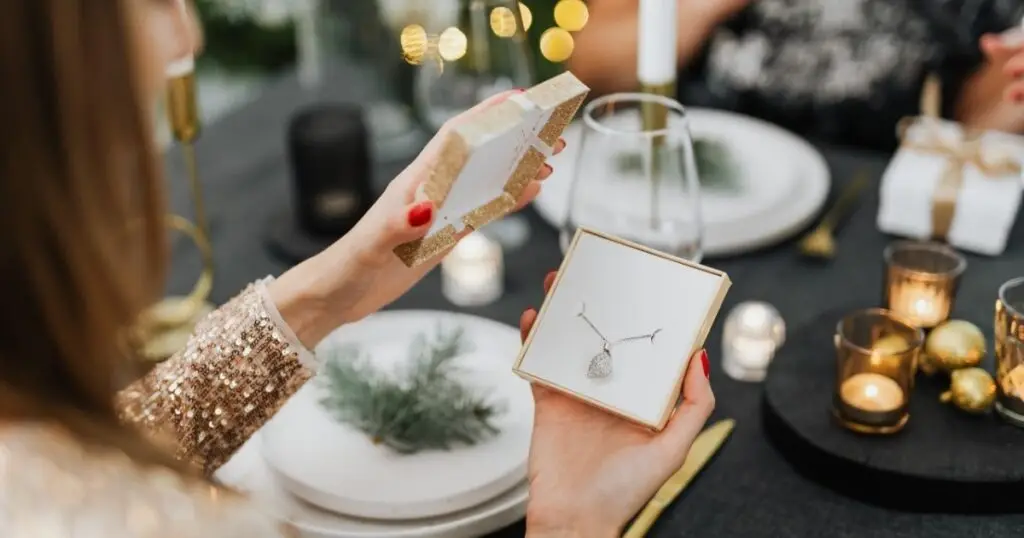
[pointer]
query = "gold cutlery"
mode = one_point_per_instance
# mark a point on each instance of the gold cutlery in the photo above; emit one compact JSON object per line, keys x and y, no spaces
{"x":820,"y":242}
{"x":703,"y":448}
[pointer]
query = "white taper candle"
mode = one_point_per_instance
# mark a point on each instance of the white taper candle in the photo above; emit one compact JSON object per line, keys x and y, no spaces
{"x":656,"y":50}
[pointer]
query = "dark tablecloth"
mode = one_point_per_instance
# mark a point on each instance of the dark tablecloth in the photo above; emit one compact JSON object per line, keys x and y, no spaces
{"x":748,"y":491}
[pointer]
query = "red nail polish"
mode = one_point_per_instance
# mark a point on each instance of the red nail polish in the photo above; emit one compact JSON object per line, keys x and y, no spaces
{"x":705,"y":363}
{"x":420,"y":214}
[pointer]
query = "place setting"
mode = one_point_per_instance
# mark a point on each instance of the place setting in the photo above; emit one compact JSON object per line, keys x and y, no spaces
{"x":415,"y":427}
{"x":758,"y":184}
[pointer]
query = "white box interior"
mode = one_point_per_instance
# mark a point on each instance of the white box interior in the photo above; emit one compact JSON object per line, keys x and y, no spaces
{"x":489,"y":169}
{"x":627,"y":292}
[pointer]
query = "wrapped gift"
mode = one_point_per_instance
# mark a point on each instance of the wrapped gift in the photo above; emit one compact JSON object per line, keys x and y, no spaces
{"x":617,"y":341}
{"x":486,"y":161}
{"x":952,"y":184}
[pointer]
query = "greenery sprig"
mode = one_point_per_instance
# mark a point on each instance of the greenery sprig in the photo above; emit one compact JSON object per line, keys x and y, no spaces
{"x":715,"y":164}
{"x":421,"y":406}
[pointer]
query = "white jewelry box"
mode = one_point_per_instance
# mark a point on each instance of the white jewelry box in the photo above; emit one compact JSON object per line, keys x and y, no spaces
{"x":612,"y":295}
{"x":487,"y":161}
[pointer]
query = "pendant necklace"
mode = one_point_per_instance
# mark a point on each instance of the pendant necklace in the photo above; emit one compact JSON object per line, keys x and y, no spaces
{"x":601,"y":363}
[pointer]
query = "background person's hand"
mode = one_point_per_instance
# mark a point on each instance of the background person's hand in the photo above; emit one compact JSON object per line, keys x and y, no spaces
{"x":1007,"y":55}
{"x":591,"y":472}
{"x":360,"y":273}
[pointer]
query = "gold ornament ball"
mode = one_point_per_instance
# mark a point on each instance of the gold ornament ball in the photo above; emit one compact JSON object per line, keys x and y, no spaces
{"x":571,"y":15}
{"x":890,"y":345}
{"x":955,"y":344}
{"x":556,"y":45}
{"x":971,"y":389}
{"x":414,"y":43}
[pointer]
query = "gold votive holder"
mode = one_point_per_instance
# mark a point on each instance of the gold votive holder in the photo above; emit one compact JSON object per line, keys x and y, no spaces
{"x":876,"y":359}
{"x":921,"y":280}
{"x":1009,"y":344}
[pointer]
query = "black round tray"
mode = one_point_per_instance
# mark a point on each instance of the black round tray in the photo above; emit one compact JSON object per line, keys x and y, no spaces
{"x":944,"y":460}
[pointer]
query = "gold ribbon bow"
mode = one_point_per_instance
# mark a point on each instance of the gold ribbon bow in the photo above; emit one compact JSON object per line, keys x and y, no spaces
{"x":959,"y":154}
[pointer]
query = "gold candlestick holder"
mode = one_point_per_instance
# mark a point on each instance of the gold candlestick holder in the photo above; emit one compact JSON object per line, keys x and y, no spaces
{"x":655,"y":115}
{"x":170,"y":323}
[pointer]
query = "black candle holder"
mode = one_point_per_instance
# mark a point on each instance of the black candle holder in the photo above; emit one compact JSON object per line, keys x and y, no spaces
{"x":331,"y":177}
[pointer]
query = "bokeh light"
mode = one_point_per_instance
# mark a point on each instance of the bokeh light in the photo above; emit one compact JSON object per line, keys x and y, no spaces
{"x":526,"y":15}
{"x":503,"y":22}
{"x":452,"y":44}
{"x":571,"y":15}
{"x":414,"y":43}
{"x":556,"y":44}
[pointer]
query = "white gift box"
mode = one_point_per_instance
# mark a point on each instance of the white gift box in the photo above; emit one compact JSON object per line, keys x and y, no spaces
{"x":653,"y":309}
{"x":485,"y":162}
{"x":962,"y":189}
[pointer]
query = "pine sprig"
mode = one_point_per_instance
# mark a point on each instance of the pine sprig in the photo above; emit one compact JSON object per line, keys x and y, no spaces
{"x":420,"y":406}
{"x":715,"y":166}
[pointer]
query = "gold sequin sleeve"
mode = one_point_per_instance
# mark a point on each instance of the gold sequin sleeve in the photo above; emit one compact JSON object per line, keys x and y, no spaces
{"x":240,"y":366}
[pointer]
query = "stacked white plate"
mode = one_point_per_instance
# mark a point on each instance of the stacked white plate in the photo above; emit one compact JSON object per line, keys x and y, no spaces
{"x":781,"y":184}
{"x":331,"y":481}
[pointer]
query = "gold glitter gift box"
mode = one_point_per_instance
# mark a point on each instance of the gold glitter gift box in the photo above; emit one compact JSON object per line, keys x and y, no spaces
{"x":487,"y":161}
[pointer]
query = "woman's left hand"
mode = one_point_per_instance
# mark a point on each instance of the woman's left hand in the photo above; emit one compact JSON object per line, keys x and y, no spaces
{"x":360,"y":273}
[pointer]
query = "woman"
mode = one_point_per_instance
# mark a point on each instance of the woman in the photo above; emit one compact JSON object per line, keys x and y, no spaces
{"x":835,"y":71}
{"x":83,"y":254}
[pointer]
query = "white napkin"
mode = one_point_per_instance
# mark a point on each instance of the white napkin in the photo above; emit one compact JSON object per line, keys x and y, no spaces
{"x":986,"y":206}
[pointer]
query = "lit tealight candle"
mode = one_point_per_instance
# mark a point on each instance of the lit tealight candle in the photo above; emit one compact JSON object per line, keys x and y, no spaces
{"x":473,"y":273}
{"x":919,"y":305}
{"x":921,"y":281}
{"x":873,"y":393}
{"x":753,"y":332}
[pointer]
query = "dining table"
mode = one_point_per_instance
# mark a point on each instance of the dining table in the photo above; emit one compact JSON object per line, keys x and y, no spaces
{"x":748,"y":490}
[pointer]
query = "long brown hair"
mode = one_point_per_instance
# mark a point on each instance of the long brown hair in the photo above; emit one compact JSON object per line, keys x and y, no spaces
{"x":82,"y":241}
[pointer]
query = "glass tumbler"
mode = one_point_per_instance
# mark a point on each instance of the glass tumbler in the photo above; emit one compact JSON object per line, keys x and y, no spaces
{"x":921,"y":280}
{"x":1009,"y":344}
{"x":876,"y":360}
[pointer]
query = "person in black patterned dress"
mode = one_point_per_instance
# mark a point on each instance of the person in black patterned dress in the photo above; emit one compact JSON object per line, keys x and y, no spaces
{"x":835,"y":71}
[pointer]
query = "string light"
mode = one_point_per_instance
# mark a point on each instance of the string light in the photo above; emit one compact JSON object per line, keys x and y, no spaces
{"x":414,"y":43}
{"x":503,"y":22}
{"x":571,"y":15}
{"x":452,"y":44}
{"x":556,"y":44}
{"x":526,"y":15}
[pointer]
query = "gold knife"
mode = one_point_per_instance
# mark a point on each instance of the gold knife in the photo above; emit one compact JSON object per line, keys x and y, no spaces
{"x":703,"y":448}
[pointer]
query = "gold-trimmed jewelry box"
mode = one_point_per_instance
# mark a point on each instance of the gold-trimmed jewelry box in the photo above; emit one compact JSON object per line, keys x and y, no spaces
{"x":678,"y":300}
{"x":487,"y":161}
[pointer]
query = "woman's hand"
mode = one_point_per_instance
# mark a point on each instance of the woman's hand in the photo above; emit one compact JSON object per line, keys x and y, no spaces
{"x":591,"y":472}
{"x":360,"y":273}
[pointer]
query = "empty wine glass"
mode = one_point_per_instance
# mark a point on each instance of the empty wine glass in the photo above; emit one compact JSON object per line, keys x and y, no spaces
{"x":636,"y":176}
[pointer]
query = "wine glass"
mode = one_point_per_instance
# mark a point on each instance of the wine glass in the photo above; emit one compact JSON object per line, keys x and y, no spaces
{"x":479,"y":52}
{"x":636,"y":175}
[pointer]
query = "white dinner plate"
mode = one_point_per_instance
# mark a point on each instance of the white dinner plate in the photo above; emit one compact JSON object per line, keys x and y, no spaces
{"x":247,"y":472}
{"x":782,"y":184}
{"x":338,"y":468}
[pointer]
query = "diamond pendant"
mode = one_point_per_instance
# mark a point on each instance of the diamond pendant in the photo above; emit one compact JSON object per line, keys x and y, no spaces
{"x":600,"y":365}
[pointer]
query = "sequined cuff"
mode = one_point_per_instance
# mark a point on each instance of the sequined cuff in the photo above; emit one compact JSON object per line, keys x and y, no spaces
{"x":236,"y":372}
{"x":306,"y":357}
